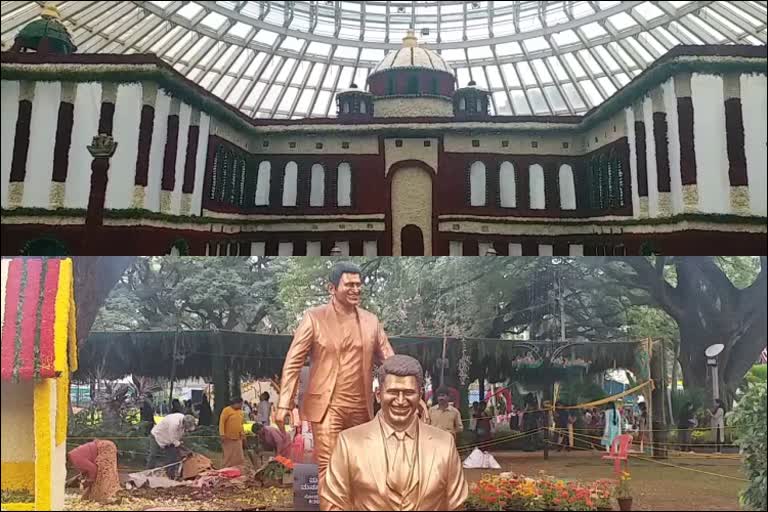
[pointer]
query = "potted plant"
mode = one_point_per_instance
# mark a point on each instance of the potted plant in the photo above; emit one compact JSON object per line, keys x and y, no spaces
{"x":624,"y":492}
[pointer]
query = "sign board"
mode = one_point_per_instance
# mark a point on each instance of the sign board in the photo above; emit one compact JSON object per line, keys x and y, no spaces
{"x":305,"y":495}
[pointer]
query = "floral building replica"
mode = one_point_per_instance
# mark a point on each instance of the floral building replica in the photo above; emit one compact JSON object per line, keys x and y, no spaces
{"x":413,"y":163}
{"x":39,"y":351}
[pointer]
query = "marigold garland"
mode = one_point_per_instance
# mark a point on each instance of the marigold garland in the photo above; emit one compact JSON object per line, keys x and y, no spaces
{"x":64,"y":341}
{"x":43,"y":444}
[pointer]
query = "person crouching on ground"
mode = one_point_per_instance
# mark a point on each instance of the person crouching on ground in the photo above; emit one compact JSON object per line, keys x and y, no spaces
{"x":165,"y":442}
{"x":232,"y":434}
{"x":97,"y":462}
{"x":272,"y":438}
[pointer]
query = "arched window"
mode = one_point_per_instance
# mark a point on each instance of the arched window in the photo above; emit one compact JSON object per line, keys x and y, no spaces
{"x":477,"y":184}
{"x":479,"y":105}
{"x":391,"y":86}
{"x":507,"y":188}
{"x":263,"y":179}
{"x":363,"y":107}
{"x":344,"y":185}
{"x":435,"y":86}
{"x":345,"y":107}
{"x":538,"y":198}
{"x":317,"y":190}
{"x":289,"y":184}
{"x":567,"y":188}
{"x":462,"y":103}
{"x":413,"y":84}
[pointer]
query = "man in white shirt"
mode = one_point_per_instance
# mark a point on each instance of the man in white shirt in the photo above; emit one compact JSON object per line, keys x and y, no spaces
{"x":165,"y":442}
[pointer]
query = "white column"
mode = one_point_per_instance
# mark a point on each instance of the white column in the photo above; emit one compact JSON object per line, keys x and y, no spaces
{"x":185,"y":117}
{"x":200,"y":163}
{"x":650,"y":159}
{"x":709,"y":139}
{"x":42,"y":138}
{"x":456,"y":248}
{"x":157,"y":151}
{"x":515,"y":249}
{"x":9,"y":106}
{"x":753,"y":109}
{"x":122,"y":166}
{"x":285,"y":249}
{"x":545,"y":250}
{"x":673,"y":136}
{"x":576,"y":250}
{"x":629,"y":115}
{"x":84,"y":128}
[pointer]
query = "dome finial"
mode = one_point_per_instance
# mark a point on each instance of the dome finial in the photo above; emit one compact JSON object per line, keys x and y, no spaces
{"x":50,"y":11}
{"x":410,"y":40}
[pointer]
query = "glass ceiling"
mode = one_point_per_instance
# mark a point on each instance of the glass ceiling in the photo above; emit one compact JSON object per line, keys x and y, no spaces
{"x":287,"y":59}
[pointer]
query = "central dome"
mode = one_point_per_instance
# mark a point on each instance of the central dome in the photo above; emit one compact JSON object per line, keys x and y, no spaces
{"x":412,"y":56}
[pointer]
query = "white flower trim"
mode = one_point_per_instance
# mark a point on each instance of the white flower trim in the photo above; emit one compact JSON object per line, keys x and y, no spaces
{"x":665,"y":204}
{"x":740,"y":200}
{"x":690,"y":198}
{"x":551,"y":230}
{"x":644,"y":210}
{"x":273,"y":227}
{"x":15,"y":194}
{"x":56,"y":198}
{"x":139,"y":193}
{"x":186,"y":203}
{"x":165,"y":201}
{"x":44,"y":221}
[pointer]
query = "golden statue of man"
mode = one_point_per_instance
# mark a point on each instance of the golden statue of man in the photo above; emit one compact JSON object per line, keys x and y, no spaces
{"x":395,"y":461}
{"x":343,"y":341}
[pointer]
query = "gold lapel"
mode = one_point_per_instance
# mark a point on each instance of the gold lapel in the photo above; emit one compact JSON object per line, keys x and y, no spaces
{"x":426,"y":455}
{"x":332,"y":321}
{"x":378,"y":465}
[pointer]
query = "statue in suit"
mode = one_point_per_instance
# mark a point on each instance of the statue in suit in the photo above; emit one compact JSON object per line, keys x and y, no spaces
{"x":395,"y":461}
{"x":343,"y":342}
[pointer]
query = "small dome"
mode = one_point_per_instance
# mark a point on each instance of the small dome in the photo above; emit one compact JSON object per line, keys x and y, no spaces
{"x":412,"y":56}
{"x":47,"y":27}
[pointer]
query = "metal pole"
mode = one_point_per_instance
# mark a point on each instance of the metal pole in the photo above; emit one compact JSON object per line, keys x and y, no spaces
{"x":442,"y":361}
{"x":562,"y":307}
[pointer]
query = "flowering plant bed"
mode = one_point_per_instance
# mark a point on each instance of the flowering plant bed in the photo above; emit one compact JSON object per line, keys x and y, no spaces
{"x":277,"y":472}
{"x":509,"y":491}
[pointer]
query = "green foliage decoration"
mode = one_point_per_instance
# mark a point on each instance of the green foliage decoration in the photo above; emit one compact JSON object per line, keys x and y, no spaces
{"x":748,"y":422}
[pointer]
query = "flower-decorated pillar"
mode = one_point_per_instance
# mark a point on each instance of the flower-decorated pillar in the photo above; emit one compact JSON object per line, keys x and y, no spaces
{"x":102,"y":149}
{"x":38,"y":353}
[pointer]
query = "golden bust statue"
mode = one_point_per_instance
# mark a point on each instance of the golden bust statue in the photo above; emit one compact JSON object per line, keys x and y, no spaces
{"x":395,"y":461}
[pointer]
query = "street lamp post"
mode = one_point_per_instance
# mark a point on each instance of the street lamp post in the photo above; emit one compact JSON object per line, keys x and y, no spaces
{"x":712,"y":352}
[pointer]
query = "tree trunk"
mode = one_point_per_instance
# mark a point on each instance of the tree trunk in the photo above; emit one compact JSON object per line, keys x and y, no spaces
{"x":220,"y":371}
{"x":95,"y":276}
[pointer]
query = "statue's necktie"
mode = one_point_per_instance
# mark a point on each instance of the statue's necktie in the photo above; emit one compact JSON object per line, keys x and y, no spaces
{"x":399,"y":468}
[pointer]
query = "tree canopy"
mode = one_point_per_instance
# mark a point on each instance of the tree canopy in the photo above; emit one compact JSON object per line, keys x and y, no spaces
{"x":687,"y":302}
